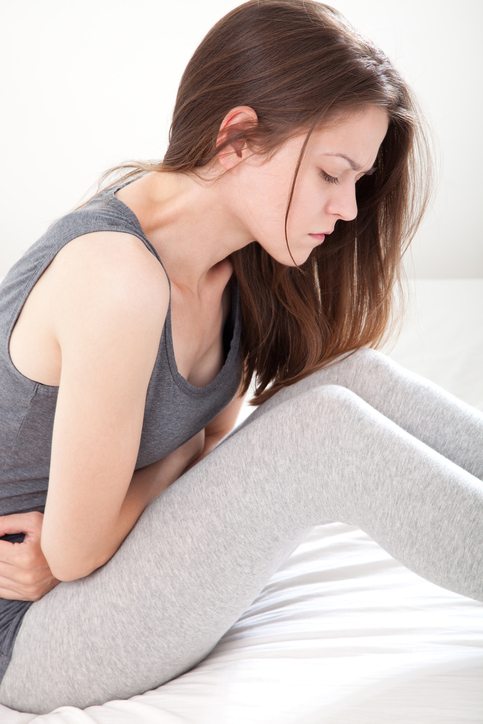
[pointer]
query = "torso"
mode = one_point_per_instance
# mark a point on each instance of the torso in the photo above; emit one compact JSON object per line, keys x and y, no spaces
{"x":197,"y":334}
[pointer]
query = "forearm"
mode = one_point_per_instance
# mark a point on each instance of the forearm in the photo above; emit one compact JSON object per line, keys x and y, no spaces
{"x":147,"y":484}
{"x":144,"y":486}
{"x":142,"y":490}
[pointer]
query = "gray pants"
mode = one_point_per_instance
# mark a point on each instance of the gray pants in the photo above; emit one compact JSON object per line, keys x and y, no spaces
{"x":363,"y":441}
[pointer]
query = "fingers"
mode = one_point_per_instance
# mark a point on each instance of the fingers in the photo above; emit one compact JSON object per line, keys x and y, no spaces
{"x":24,"y":572}
{"x":30,"y":522}
{"x":9,"y":553}
{"x":25,"y":586}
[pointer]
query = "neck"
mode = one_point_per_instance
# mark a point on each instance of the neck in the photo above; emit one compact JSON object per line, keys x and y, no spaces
{"x":186,"y":221}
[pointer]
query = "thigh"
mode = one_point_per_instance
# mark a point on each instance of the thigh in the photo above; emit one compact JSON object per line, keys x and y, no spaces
{"x":419,"y":406}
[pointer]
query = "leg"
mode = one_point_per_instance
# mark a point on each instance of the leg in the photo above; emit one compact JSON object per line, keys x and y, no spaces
{"x":204,"y":549}
{"x":418,"y":405}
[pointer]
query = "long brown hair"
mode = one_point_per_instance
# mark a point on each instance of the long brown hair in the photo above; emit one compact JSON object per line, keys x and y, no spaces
{"x":300,"y":64}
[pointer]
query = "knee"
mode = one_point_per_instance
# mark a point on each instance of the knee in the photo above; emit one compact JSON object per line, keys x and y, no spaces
{"x":332,"y":406}
{"x":368,"y":356}
{"x":335,"y":393}
{"x":327,"y":399}
{"x":367,"y":360}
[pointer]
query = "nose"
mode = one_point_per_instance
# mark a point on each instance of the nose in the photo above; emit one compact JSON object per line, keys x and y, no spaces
{"x":342,"y":202}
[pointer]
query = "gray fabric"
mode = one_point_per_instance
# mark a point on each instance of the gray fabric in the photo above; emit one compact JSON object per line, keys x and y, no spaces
{"x":27,"y":407}
{"x":363,"y":441}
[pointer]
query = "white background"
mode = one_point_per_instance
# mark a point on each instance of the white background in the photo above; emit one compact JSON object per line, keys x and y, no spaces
{"x":88,"y":84}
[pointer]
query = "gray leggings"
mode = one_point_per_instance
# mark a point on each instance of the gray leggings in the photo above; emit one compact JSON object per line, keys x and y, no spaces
{"x":364,"y":441}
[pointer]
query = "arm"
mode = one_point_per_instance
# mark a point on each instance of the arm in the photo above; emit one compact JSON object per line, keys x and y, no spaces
{"x":146,"y":484}
{"x":24,"y":570}
{"x":143,"y":488}
{"x":108,"y":326}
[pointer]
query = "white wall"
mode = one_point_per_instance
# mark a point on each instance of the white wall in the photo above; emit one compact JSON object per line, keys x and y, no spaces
{"x":87,"y":84}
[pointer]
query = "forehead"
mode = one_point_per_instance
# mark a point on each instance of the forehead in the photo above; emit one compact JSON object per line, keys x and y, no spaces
{"x":357,"y":136}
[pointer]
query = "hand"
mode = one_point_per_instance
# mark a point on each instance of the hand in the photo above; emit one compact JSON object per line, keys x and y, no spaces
{"x":24,"y":572}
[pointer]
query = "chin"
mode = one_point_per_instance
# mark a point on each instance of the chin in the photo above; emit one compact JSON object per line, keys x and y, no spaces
{"x":282,"y":256}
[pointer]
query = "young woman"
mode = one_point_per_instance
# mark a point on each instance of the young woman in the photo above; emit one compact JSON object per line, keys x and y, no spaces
{"x":268,"y":242}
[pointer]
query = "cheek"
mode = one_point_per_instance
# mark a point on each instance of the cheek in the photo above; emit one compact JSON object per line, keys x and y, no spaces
{"x":254,"y":205}
{"x":307,"y":201}
{"x":267,"y":200}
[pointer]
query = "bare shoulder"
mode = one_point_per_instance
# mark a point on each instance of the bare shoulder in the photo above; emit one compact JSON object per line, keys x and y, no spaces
{"x":107,"y":268}
{"x":112,"y":261}
{"x":109,"y":252}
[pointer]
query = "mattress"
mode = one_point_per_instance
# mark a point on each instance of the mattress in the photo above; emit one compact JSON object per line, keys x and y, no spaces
{"x":343,"y":632}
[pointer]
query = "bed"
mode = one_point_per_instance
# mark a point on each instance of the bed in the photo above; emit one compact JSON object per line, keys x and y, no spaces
{"x":343,"y":632}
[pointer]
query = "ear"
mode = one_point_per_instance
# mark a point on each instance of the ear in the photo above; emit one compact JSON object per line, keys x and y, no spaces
{"x":236,"y":119}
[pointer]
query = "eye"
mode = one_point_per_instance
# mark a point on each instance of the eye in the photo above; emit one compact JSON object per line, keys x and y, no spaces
{"x":329,"y":179}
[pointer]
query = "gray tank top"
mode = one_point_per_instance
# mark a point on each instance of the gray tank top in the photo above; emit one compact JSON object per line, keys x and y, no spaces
{"x":27,"y":407}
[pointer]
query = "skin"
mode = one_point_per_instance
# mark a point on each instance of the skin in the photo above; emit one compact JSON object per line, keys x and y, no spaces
{"x":195,"y":224}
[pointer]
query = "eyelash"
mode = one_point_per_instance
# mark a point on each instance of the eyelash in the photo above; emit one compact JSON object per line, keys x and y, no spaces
{"x":329,"y":179}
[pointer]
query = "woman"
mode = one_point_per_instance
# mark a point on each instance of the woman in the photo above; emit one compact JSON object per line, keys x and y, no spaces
{"x":155,"y":302}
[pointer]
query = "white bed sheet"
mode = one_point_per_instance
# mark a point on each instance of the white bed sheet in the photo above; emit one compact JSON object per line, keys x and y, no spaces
{"x":343,"y":632}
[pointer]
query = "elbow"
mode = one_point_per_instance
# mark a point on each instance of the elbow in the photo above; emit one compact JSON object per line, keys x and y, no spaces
{"x":65,"y":570}
{"x":65,"y":576}
{"x":71,"y":573}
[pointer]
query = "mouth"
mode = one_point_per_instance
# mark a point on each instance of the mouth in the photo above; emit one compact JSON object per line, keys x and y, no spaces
{"x":319,"y":237}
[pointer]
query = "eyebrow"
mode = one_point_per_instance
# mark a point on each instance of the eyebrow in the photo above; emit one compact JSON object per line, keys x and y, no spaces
{"x":352,"y":163}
